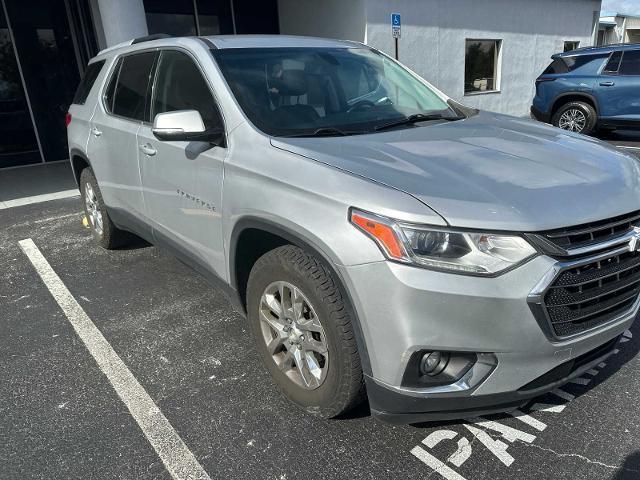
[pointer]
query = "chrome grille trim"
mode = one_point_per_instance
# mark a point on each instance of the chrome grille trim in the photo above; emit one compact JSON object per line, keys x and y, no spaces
{"x":538,"y":303}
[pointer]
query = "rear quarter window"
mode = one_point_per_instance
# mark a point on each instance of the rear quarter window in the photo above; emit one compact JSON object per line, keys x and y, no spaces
{"x":585,"y":64}
{"x":557,"y":66}
{"x":86,"y":84}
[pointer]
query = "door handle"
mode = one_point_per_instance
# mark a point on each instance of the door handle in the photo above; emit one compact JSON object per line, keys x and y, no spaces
{"x":95,"y":132}
{"x":607,"y":84}
{"x":148,"y":149}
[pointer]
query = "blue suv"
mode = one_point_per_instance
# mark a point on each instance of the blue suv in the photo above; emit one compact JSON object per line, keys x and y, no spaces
{"x":589,"y":88}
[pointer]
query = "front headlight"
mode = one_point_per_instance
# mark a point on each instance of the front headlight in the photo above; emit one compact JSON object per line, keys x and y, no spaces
{"x":442,"y":249}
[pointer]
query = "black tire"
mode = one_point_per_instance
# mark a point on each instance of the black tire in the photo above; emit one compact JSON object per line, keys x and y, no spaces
{"x":111,"y":237}
{"x":343,"y":387}
{"x":589,"y":113}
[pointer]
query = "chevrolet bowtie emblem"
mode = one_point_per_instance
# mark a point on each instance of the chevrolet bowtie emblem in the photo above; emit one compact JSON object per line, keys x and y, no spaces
{"x":634,"y":243}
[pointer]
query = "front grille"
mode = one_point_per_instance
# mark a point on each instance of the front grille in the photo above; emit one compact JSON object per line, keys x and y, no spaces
{"x":589,"y":295}
{"x":592,"y":233}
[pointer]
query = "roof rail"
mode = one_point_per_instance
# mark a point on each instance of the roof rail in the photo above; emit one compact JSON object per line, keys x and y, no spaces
{"x":148,"y":38}
{"x":208,"y":43}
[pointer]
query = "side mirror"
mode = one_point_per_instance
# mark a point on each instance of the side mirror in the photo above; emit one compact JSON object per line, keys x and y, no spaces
{"x":186,"y":126}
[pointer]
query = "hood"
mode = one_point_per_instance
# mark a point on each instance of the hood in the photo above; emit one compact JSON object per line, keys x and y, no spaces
{"x":490,"y":171}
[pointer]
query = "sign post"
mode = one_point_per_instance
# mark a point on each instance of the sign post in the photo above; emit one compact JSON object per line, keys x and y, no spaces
{"x":396,"y":25}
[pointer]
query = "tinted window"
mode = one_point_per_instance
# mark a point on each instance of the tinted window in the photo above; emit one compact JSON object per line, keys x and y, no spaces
{"x":93,"y":70}
{"x":613,"y":63}
{"x":131,"y":89}
{"x":111,"y":88}
{"x":181,"y":86}
{"x":630,"y":63}
{"x":585,"y":64}
{"x":557,"y":66}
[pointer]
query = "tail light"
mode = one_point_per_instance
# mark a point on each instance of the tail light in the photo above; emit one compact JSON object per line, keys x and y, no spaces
{"x":67,"y":119}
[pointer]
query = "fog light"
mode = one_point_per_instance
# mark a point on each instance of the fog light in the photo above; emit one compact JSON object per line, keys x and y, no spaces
{"x":432,"y":363}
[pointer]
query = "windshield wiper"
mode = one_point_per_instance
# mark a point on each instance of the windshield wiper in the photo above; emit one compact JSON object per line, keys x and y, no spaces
{"x":416,"y":117}
{"x":322,"y":132}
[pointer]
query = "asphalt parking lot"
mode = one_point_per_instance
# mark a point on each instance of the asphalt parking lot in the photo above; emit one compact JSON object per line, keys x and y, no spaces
{"x":62,"y":416}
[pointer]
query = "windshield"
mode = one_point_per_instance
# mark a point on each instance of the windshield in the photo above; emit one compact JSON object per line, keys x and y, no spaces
{"x":305,"y":91}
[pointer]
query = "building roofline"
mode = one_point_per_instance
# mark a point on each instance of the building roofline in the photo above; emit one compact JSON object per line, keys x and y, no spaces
{"x":619,"y":14}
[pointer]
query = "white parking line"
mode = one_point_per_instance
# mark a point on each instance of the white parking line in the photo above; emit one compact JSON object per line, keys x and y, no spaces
{"x":175,"y":455}
{"x":19,"y":202}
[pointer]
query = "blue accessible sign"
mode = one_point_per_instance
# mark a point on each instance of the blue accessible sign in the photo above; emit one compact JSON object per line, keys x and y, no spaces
{"x":396,"y":24}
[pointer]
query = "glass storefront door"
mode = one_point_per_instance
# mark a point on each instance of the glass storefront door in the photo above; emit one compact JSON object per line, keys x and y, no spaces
{"x":49,"y":65}
{"x":18,"y":143}
{"x":43,"y":51}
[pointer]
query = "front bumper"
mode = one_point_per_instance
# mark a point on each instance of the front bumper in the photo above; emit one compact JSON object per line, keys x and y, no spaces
{"x":404,"y":309}
{"x":394,"y":407}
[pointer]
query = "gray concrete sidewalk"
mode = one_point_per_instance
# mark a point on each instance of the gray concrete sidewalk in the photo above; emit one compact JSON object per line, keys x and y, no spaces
{"x":34,"y":183}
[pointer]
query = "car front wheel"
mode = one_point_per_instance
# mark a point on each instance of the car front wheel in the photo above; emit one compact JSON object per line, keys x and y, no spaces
{"x":302,"y":328}
{"x":579,"y":117}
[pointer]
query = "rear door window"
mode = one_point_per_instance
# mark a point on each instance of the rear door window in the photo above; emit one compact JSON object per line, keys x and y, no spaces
{"x":630,"y":64}
{"x":109,"y":93}
{"x":90,"y":76}
{"x":133,"y":83}
{"x":614,"y":63}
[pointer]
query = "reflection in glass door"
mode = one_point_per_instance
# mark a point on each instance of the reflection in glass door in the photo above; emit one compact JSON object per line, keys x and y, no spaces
{"x":49,"y":64}
{"x":18,"y":143}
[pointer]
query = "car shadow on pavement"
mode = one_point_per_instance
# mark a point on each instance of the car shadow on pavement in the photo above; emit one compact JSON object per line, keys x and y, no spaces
{"x":627,"y":351}
{"x":629,"y":135}
{"x":135,"y":243}
{"x":630,"y":469}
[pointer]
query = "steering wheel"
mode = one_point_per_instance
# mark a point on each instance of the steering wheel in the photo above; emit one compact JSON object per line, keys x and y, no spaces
{"x":361,"y":105}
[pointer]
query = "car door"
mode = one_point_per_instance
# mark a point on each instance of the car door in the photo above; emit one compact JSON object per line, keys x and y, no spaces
{"x":182,"y":181}
{"x":619,"y":87}
{"x":112,"y":146}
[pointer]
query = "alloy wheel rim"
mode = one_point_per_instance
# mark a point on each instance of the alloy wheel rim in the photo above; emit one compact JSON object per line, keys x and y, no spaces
{"x":573,"y":120}
{"x":294,"y":335}
{"x":93,"y":209}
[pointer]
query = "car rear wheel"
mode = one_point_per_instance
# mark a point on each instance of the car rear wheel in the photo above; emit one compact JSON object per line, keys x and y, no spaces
{"x":102,"y":228}
{"x":302,"y":328}
{"x":579,"y":117}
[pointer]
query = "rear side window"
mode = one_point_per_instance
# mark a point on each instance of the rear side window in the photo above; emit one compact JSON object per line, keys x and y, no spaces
{"x":109,"y":93}
{"x":614,"y":62}
{"x":584,"y":64}
{"x":557,"y":66}
{"x":93,"y":70}
{"x":133,"y":82}
{"x":181,"y":86}
{"x":630,"y":64}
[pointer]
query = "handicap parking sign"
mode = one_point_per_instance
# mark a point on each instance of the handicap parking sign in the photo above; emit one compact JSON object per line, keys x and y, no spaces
{"x":395,"y":25}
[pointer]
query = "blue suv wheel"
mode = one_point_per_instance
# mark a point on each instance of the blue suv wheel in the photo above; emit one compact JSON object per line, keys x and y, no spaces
{"x":579,"y":117}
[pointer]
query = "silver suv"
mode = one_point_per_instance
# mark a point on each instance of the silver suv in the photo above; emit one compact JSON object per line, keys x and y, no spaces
{"x":383,"y":240}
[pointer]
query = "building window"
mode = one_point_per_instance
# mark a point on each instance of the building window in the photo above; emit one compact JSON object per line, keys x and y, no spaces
{"x":570,"y":45}
{"x":481,"y":66}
